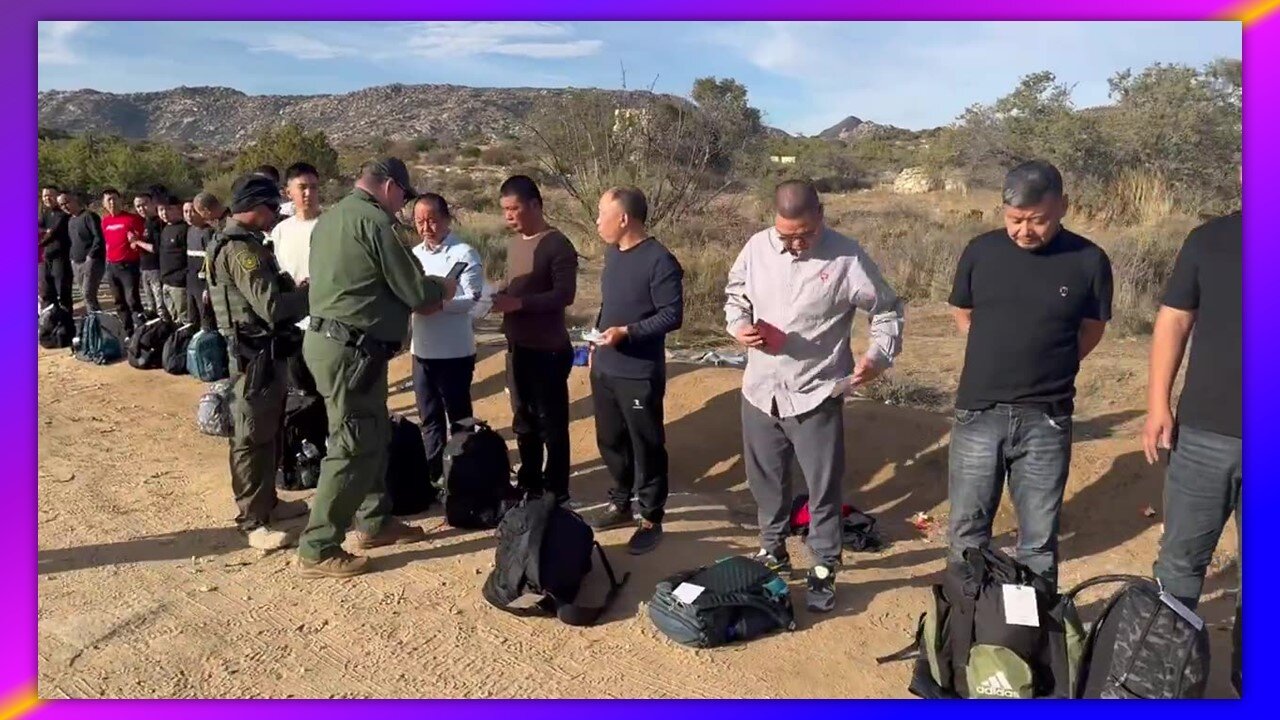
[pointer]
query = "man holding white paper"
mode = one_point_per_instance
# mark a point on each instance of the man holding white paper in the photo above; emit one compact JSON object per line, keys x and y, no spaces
{"x":791,"y":299}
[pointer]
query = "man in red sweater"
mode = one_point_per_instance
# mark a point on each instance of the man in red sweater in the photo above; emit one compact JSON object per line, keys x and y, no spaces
{"x":121,"y":232}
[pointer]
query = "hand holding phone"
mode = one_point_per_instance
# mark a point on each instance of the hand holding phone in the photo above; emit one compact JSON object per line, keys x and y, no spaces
{"x":455,"y":272}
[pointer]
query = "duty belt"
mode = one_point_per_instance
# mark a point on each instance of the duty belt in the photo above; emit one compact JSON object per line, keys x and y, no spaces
{"x":349,"y":335}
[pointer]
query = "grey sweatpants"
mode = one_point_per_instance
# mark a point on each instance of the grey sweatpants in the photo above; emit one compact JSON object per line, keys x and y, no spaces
{"x":152,"y":292}
{"x":815,"y":440}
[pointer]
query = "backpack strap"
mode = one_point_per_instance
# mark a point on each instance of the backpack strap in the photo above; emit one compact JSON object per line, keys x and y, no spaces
{"x":584,"y":615}
{"x":1104,"y":580}
{"x":908,"y":652}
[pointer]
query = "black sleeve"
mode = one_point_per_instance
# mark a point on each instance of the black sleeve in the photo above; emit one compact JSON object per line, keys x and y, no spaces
{"x":99,"y":247}
{"x":1100,"y":289}
{"x":1183,"y":289}
{"x":962,"y":286}
{"x":666,"y":289}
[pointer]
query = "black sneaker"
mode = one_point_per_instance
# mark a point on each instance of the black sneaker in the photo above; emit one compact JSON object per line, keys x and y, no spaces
{"x":611,"y":517}
{"x":645,"y":538}
{"x":822,"y":589}
{"x":779,"y":563}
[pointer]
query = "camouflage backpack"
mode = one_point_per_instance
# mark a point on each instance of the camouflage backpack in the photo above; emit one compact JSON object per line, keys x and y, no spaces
{"x":1145,"y":644}
{"x":995,"y":630}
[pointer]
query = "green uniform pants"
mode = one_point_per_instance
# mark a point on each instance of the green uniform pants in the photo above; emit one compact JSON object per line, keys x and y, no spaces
{"x":352,"y":485}
{"x":256,"y":437}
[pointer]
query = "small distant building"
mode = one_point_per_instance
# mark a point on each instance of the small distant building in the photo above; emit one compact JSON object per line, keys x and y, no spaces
{"x":783,"y":159}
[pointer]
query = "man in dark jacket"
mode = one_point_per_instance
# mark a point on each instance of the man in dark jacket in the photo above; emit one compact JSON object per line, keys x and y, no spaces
{"x":88,"y":250}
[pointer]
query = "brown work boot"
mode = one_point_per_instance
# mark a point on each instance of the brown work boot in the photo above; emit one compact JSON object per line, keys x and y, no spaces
{"x":341,"y":564}
{"x":393,"y":532}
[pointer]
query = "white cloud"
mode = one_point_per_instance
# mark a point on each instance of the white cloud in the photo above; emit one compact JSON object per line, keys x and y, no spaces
{"x":53,"y":41}
{"x":302,"y":47}
{"x":444,"y":40}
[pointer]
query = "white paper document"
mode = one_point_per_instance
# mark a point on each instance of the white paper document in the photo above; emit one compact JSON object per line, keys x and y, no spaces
{"x":687,"y":592}
{"x":1020,"y":606}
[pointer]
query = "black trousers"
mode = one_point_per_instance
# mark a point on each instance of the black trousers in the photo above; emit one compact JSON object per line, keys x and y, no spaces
{"x":442,"y":387}
{"x":55,"y":282}
{"x":300,"y":377}
{"x":125,"y":280}
{"x":538,"y":381}
{"x":632,"y":442}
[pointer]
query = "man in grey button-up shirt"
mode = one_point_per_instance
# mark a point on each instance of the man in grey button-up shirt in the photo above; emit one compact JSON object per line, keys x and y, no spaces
{"x":791,"y":299}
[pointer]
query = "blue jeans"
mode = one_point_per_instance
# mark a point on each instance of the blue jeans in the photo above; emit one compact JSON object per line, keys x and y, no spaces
{"x":1033,"y":451}
{"x":1201,"y":490}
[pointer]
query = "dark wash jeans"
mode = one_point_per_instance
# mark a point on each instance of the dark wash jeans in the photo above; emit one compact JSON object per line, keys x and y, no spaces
{"x":1201,"y":491}
{"x":1029,"y":448}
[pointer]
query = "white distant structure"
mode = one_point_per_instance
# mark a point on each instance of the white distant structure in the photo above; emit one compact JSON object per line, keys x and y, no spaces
{"x":783,"y":159}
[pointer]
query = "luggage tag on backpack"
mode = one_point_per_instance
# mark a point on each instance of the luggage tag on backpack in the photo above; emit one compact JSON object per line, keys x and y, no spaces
{"x":1187,"y":613}
{"x":687,"y":592}
{"x":1020,"y":606}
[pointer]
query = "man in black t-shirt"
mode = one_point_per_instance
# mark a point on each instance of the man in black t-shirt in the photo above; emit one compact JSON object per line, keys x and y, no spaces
{"x":642,"y":301}
{"x":149,"y":261}
{"x":172,"y":253}
{"x":1034,"y":299}
{"x":1202,"y":485}
{"x":55,"y":251}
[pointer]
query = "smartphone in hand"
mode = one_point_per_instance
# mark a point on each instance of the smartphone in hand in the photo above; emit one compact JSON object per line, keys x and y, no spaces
{"x":455,"y":272}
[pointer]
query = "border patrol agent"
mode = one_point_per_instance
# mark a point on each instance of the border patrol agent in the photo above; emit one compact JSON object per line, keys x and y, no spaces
{"x":256,"y":307}
{"x":364,"y":284}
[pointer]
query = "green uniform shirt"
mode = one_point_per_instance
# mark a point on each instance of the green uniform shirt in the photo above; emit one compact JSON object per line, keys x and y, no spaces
{"x":246,"y":287}
{"x":362,"y":274}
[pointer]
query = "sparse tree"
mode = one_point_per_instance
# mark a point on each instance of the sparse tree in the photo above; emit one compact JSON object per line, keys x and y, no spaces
{"x":288,"y":144}
{"x":682,"y":156}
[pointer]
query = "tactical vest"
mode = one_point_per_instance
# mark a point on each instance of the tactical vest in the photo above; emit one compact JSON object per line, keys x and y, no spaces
{"x":231,"y":308}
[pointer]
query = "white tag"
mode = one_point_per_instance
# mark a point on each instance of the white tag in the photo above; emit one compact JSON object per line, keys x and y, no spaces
{"x":1020,"y":606}
{"x":593,"y":336}
{"x":1187,"y":613}
{"x":687,"y":592}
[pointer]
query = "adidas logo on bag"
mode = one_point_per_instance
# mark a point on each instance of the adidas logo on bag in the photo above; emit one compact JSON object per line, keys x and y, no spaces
{"x":997,"y":686}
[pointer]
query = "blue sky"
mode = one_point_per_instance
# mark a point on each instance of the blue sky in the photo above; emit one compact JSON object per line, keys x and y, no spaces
{"x":804,"y":76}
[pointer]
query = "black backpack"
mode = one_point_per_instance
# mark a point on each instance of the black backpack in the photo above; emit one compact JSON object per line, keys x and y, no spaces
{"x":57,"y":327}
{"x":734,"y":600}
{"x":306,"y":432}
{"x":408,"y":477}
{"x":173,"y":358}
{"x":1144,"y":645}
{"x":145,"y":348}
{"x":477,"y":477}
{"x":967,"y":647}
{"x":544,"y":550}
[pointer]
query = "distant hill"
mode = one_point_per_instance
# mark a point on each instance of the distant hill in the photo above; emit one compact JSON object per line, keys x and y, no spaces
{"x":855,"y":128}
{"x":224,"y":117}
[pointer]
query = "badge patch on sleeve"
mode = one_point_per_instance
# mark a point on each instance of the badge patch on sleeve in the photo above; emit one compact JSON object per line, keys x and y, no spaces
{"x":248,"y":260}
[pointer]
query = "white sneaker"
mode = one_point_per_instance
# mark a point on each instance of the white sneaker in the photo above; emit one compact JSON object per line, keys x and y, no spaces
{"x":264,"y":538}
{"x":289,"y":509}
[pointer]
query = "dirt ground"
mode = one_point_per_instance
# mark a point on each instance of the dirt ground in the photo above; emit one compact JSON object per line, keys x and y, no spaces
{"x":147,"y":590}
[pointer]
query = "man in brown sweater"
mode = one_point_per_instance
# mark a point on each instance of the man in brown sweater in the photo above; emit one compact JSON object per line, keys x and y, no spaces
{"x":542,"y":268}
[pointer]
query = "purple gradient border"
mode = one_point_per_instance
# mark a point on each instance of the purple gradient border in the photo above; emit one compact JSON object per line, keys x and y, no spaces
{"x":17,"y":360}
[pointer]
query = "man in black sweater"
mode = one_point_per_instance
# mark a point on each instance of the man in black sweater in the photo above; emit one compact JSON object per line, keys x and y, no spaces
{"x":88,"y":249}
{"x":642,"y":300}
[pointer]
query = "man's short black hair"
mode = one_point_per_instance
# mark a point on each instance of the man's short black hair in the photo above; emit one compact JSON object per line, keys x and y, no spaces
{"x":269,"y":171}
{"x":146,"y":195}
{"x":172,"y":200}
{"x":794,"y":199}
{"x":158,"y":192}
{"x":437,"y":203}
{"x":109,"y":191}
{"x":520,"y":187}
{"x":1031,"y":183}
{"x":632,"y":202}
{"x":49,"y":187}
{"x":299,"y":169}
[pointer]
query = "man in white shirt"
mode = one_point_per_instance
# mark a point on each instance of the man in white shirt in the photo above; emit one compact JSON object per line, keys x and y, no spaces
{"x":291,"y":242}
{"x":444,"y":342}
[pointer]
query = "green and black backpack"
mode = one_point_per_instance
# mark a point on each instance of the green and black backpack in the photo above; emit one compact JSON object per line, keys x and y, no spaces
{"x":996,"y":630}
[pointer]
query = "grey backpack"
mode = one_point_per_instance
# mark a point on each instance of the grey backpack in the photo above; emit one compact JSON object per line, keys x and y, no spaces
{"x":213,"y":413}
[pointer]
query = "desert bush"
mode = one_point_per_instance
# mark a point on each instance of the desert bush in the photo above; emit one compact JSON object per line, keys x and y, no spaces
{"x":288,"y":144}
{"x":90,"y":163}
{"x":488,"y":235}
{"x":501,"y":155}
